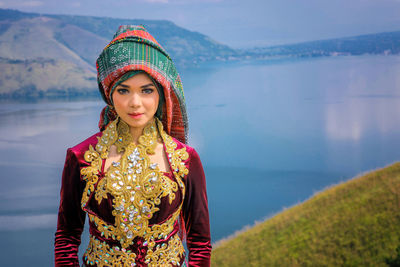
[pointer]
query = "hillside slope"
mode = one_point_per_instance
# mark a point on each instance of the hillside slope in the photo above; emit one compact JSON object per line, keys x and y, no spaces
{"x":52,"y":46}
{"x":44,"y":77}
{"x":184,"y":46}
{"x":31,"y":38}
{"x":352,"y":224}
{"x":78,"y":40}
{"x":86,"y":36}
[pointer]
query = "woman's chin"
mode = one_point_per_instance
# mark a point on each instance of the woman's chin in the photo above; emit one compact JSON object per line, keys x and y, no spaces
{"x":138,"y":123}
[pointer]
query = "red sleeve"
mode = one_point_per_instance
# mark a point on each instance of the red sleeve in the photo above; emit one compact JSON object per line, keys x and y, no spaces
{"x":71,"y":218}
{"x":195,"y":214}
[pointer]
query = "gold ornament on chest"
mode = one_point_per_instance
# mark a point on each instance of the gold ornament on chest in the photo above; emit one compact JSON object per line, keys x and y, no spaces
{"x":135,"y":183}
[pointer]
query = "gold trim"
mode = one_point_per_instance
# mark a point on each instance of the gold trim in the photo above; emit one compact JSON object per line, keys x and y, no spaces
{"x":101,"y":254}
{"x":136,"y":185}
{"x":164,"y":254}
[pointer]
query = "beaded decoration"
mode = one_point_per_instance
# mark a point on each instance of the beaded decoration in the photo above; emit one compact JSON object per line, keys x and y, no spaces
{"x":136,"y":185}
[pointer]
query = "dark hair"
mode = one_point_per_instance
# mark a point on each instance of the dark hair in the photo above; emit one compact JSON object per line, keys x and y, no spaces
{"x":161,"y":100}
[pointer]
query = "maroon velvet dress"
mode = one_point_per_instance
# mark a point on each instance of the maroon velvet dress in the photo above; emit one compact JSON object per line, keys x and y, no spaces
{"x":190,"y":204}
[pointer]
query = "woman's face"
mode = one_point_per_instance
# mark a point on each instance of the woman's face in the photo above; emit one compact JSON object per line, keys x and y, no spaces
{"x":136,"y":100}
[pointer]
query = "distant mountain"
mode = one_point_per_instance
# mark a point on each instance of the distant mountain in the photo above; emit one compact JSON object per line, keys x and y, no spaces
{"x":43,"y":77}
{"x":54,"y":55}
{"x":380,"y":43}
{"x":43,"y":37}
{"x":50,"y":45}
{"x":184,"y":46}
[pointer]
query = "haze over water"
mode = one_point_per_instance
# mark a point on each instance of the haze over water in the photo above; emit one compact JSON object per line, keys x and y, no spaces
{"x":269,"y":135}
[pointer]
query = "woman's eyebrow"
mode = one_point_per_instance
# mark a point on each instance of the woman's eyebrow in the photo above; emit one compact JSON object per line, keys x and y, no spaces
{"x":123,"y":85}
{"x":147,"y":85}
{"x":143,"y":86}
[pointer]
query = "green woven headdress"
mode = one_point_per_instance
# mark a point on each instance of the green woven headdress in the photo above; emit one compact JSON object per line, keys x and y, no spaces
{"x":133,"y":48}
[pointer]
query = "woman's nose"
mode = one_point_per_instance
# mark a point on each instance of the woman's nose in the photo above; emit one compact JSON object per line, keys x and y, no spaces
{"x":134,"y":100}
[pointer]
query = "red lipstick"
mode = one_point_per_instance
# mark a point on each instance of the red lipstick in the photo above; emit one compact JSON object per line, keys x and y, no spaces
{"x":135,"y":115}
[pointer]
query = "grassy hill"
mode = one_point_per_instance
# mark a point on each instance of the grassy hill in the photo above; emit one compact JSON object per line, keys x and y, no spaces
{"x":356,"y":223}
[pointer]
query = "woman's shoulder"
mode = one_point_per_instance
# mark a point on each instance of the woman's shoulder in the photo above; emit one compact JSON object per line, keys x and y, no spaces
{"x":189,"y":149}
{"x":83,"y":146}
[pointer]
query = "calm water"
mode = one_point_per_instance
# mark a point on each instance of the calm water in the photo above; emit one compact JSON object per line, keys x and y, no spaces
{"x":269,"y":135}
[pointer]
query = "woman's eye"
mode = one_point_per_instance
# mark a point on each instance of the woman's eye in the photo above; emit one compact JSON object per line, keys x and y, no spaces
{"x":148,"y":91}
{"x":122,"y":91}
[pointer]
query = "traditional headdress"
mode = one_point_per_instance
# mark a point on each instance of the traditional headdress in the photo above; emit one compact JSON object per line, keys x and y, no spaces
{"x":134,"y":49}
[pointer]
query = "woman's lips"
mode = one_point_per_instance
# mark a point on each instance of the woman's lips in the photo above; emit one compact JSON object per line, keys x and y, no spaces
{"x":135,"y":115}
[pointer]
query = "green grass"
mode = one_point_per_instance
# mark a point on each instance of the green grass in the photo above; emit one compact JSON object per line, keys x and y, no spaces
{"x":356,"y":223}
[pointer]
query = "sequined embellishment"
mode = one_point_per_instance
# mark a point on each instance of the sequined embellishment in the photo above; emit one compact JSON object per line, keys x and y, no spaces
{"x":164,"y":254}
{"x":101,"y":254}
{"x":153,"y":233}
{"x":136,"y":184}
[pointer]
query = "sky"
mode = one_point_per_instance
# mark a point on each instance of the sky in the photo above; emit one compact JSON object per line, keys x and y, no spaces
{"x":238,"y":23}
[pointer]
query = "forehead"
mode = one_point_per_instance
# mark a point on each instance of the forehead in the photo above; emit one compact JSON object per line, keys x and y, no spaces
{"x":139,"y":79}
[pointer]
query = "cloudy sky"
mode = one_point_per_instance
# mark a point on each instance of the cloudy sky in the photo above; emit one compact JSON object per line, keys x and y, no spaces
{"x":241,"y":23}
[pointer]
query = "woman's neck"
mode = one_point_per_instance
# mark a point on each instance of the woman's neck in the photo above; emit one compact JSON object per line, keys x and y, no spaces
{"x":136,"y":132}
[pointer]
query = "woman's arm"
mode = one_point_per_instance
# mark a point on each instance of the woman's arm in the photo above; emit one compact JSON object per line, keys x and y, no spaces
{"x":195,"y":214}
{"x":71,"y":218}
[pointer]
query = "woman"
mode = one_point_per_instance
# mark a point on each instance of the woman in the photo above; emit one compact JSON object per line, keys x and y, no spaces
{"x":142,"y":187}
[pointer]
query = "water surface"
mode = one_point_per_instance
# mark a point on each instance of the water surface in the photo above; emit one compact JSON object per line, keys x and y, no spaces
{"x":269,"y":136}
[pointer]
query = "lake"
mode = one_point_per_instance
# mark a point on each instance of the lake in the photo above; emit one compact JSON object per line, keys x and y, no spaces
{"x":270,"y":135}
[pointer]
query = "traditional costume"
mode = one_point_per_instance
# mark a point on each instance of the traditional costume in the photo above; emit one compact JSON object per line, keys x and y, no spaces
{"x":138,"y":214}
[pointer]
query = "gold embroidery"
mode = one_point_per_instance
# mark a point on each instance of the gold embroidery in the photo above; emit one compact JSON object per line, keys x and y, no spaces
{"x":149,"y":138}
{"x":165,"y":254}
{"x":101,"y":191}
{"x":136,"y":185}
{"x":90,"y":173}
{"x":153,"y":233}
{"x":176,"y":156}
{"x":124,"y":138}
{"x":101,"y":254}
{"x":108,"y":138}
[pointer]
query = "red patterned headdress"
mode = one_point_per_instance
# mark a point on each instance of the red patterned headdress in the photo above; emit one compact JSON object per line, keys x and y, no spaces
{"x":133,"y":48}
